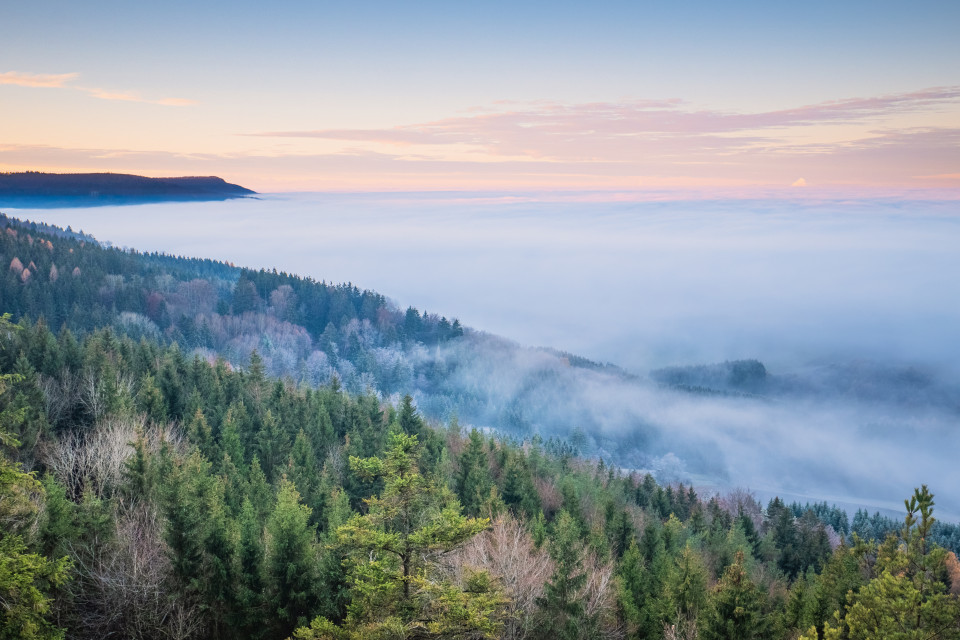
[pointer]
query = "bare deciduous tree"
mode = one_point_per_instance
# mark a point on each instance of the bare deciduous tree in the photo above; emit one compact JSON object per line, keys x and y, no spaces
{"x":96,"y":461}
{"x":599,"y":594}
{"x":507,"y":551}
{"x":93,"y":394}
{"x":686,"y":631}
{"x":61,"y":395}
{"x":742,"y":501}
{"x":550,"y":498}
{"x":123,"y":586}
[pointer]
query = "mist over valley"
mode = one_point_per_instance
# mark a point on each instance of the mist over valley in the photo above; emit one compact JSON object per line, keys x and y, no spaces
{"x":806,"y":348}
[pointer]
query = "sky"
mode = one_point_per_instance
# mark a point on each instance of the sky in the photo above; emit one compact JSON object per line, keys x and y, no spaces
{"x":736,"y":99}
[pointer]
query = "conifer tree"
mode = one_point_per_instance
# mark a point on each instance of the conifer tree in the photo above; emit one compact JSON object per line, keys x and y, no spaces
{"x":273,"y":446}
{"x":259,"y":490}
{"x":737,"y":606}
{"x":185,"y":520}
{"x":231,"y":441}
{"x":150,"y":400}
{"x":562,"y":613}
{"x":291,"y":559}
{"x":473,"y":477}
{"x":302,"y":471}
{"x":200,"y":434}
{"x":685,"y":592}
{"x":138,"y":478}
{"x":249,"y":614}
{"x":643,"y":574}
{"x":336,"y":591}
{"x":25,"y":578}
{"x":907,"y":600}
{"x":395,"y":585}
{"x":519,"y":492}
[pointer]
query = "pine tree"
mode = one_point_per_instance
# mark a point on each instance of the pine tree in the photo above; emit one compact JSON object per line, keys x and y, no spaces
{"x":291,"y":559}
{"x":562,"y":613}
{"x":259,"y":490}
{"x":186,"y":508}
{"x":392,"y":549}
{"x":25,"y":578}
{"x":273,"y":446}
{"x":519,"y":492}
{"x":249,"y":614}
{"x":150,"y":400}
{"x":302,"y":471}
{"x":231,"y":441}
{"x":907,"y":600}
{"x":138,"y":478}
{"x":686,"y":591}
{"x":643,"y":573}
{"x":737,"y":606}
{"x":336,"y":592}
{"x":473,"y":477}
{"x":410,"y":422}
{"x":200,"y":434}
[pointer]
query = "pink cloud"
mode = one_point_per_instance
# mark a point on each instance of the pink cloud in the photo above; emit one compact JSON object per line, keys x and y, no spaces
{"x":40,"y":80}
{"x":618,"y":131}
{"x":135,"y":97}
{"x":664,"y":116}
{"x":60,"y":80}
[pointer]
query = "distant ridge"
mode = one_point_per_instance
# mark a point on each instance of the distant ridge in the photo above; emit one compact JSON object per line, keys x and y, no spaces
{"x":33,"y":189}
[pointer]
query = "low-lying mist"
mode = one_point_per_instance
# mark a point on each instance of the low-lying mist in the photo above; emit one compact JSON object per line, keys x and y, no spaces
{"x":851,"y":307}
{"x":858,"y":433}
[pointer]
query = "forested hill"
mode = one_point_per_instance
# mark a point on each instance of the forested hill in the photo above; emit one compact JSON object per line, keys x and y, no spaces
{"x":302,"y":329}
{"x":151,"y":492}
{"x":33,"y":189}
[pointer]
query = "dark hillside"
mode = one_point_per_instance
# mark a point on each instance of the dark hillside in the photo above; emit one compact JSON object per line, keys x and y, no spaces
{"x":35,"y":189}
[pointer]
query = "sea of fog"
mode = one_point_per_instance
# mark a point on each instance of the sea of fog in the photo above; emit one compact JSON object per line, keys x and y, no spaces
{"x":803,"y":286}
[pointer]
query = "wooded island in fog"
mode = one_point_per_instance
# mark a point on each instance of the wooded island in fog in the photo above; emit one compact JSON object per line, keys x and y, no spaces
{"x":34,"y":189}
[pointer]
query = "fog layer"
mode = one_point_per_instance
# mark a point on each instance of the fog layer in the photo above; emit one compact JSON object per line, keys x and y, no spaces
{"x":852,"y":307}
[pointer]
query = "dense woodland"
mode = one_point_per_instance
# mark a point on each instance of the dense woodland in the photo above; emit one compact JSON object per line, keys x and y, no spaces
{"x":304,"y":330}
{"x":151,"y":489}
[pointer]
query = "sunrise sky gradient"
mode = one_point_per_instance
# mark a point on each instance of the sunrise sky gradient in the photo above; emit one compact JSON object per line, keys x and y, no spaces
{"x":641,"y":98}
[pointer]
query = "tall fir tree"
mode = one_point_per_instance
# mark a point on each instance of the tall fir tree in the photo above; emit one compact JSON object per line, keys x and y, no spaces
{"x":563,"y":614}
{"x":473,"y":482}
{"x":737,"y":606}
